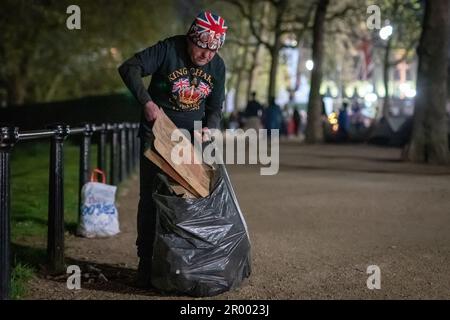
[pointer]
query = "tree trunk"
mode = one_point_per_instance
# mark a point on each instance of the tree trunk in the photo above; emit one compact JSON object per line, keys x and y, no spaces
{"x":275,"y":49}
{"x":251,"y":71}
{"x":386,"y":68}
{"x":429,"y":142}
{"x":273,"y":72}
{"x":236,"y":89}
{"x":314,"y":130}
{"x":239,"y":76}
{"x":16,"y":90}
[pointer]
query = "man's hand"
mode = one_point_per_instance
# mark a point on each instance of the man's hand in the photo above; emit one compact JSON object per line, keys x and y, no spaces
{"x":206,"y":134}
{"x":204,"y":137}
{"x":151,"y":111}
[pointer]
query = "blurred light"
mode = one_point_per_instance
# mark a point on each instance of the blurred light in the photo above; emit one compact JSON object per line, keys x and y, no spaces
{"x":364,"y":89}
{"x":328,"y":103}
{"x":361,"y":90}
{"x":386,"y":32}
{"x":332,"y":118}
{"x":410,"y":93}
{"x":309,"y":65}
{"x":291,"y":42}
{"x":403,"y":87}
{"x":334,"y":92}
{"x":406,"y":89}
{"x":348,"y":91}
{"x":381,"y":91}
{"x":371,"y":97}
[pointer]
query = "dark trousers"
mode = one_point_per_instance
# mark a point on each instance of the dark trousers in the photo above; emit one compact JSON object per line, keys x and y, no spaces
{"x":146,"y":216}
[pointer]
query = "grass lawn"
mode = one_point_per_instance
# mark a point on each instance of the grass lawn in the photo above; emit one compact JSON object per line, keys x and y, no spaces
{"x":29,"y":205}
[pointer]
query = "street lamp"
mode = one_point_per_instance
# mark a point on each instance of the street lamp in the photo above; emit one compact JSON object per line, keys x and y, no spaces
{"x":386,"y":32}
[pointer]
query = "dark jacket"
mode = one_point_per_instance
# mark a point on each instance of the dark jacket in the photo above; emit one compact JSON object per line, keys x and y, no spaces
{"x":185,"y":92}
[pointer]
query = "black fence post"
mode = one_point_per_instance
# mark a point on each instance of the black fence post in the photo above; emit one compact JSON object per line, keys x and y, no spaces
{"x":55,"y":240}
{"x":8,"y":137}
{"x":123,"y":152}
{"x":85,"y":162}
{"x":130,"y":166}
{"x":115,"y":160}
{"x":101,"y":149}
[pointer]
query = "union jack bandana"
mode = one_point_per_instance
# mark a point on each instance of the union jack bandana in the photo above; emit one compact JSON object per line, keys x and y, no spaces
{"x":208,"y":31}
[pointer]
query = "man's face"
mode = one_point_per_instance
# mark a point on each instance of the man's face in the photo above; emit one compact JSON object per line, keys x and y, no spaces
{"x":199,"y":56}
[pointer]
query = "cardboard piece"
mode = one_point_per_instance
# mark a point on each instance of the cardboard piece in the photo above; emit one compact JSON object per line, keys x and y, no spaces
{"x":196,"y":175}
{"x":164,"y":166}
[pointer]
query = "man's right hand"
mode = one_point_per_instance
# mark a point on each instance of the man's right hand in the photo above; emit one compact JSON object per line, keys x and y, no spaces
{"x":151,"y":111}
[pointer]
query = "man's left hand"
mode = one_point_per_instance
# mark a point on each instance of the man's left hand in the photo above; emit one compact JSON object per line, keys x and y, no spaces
{"x":205,"y":136}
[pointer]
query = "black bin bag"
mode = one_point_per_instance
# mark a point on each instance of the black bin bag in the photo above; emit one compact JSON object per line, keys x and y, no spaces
{"x":201,"y":247}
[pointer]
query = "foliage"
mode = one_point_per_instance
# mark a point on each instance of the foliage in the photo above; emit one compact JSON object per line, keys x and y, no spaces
{"x":46,"y":61}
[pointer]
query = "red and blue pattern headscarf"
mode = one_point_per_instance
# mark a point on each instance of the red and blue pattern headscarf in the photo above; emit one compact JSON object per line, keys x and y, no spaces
{"x":208,"y":31}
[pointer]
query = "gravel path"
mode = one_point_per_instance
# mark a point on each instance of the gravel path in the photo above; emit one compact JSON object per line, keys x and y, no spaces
{"x":315,"y":227}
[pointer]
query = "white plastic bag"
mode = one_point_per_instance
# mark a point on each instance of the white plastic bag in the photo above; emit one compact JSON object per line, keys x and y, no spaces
{"x":99,"y":215}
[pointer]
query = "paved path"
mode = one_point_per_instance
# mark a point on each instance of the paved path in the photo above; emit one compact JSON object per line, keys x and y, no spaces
{"x":315,"y":228}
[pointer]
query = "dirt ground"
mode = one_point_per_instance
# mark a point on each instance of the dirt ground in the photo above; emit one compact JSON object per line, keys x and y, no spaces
{"x":315,"y":227}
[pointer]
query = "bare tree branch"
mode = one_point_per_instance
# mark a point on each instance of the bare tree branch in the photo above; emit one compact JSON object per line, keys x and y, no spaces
{"x":302,"y":20}
{"x":248,"y":15}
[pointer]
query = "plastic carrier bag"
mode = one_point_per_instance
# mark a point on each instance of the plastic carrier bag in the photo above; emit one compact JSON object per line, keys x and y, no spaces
{"x":99,"y":216}
{"x":201,"y":246}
